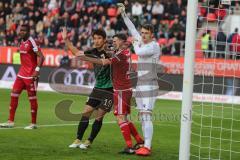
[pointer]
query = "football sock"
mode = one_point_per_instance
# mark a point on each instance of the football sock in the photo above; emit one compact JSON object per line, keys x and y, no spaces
{"x":147,"y":127}
{"x":126,"y":133}
{"x":83,"y":124}
{"x":13,"y":106}
{"x":34,"y":108}
{"x":135,"y":133}
{"x":96,"y":127}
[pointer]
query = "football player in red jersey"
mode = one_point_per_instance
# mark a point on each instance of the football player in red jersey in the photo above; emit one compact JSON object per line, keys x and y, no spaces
{"x":122,"y":89}
{"x":27,"y":77}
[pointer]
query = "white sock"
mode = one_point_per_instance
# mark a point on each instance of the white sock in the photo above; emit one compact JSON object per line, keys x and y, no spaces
{"x":147,"y":128}
{"x":143,"y":130}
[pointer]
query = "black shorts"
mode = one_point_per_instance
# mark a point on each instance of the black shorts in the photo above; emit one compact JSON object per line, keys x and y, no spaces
{"x":101,"y":98}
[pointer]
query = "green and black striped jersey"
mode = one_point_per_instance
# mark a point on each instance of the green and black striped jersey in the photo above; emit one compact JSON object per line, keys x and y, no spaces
{"x":102,"y":73}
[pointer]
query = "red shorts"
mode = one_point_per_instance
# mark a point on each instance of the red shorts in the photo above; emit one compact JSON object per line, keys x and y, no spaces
{"x":21,"y":83}
{"x":122,"y":102}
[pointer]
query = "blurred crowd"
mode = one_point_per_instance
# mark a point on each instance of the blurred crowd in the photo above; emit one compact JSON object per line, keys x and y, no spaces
{"x":216,"y":40}
{"x":46,"y":17}
{"x":221,"y":45}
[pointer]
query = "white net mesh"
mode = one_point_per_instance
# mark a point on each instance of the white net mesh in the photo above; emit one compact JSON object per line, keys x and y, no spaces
{"x":215,"y":132}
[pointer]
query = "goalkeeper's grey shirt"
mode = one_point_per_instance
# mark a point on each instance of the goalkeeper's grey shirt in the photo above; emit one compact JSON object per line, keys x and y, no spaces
{"x":148,"y":56}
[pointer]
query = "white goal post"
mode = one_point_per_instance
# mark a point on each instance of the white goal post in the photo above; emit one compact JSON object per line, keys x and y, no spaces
{"x":211,"y":130}
{"x":186,"y":116}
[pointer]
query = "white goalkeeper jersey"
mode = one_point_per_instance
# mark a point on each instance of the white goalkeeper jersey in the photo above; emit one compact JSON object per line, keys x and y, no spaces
{"x":148,"y":56}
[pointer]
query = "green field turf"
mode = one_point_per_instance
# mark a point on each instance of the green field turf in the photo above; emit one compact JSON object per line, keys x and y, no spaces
{"x":51,"y":142}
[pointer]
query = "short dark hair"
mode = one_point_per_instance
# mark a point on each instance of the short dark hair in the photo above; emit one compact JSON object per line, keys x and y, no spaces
{"x":26,"y":26}
{"x":121,"y":36}
{"x":100,"y":32}
{"x":236,"y":30}
{"x":148,"y":27}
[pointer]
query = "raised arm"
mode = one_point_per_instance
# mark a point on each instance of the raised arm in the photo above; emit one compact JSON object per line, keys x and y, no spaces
{"x":69,"y":45}
{"x":129,"y":23}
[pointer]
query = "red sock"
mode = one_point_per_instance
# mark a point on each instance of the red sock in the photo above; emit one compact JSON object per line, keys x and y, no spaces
{"x":13,"y":106}
{"x":126,"y":133}
{"x":134,"y":133}
{"x":34,"y":108}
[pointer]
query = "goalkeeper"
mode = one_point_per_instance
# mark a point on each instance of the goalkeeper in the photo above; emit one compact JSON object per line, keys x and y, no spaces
{"x":148,"y":52}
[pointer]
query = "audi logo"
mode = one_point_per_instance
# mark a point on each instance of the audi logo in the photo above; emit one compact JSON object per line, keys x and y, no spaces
{"x":72,"y":77}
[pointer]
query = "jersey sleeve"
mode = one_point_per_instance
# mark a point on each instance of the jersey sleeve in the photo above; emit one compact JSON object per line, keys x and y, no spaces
{"x":91,"y":53}
{"x":35,"y":45}
{"x":131,"y":27}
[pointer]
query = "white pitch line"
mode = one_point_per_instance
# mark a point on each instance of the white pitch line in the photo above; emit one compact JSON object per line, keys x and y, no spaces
{"x":56,"y":125}
{"x":75,"y":124}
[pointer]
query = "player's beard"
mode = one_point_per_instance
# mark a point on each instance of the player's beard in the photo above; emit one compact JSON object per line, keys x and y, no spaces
{"x":20,"y":39}
{"x":24,"y":37}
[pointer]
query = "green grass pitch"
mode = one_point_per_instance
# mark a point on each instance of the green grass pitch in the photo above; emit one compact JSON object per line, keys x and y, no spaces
{"x":51,"y":139}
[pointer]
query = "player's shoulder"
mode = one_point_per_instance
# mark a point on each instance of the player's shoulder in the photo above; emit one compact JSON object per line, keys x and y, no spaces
{"x":123,"y":54}
{"x":156,"y":45}
{"x":156,"y":48}
{"x":90,"y":51}
{"x":33,"y":41}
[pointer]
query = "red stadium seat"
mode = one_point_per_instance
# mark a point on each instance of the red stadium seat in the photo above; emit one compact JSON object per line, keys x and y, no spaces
{"x":211,"y":17}
{"x":112,"y":12}
{"x":203,"y":11}
{"x":221,"y":13}
{"x":162,"y":41}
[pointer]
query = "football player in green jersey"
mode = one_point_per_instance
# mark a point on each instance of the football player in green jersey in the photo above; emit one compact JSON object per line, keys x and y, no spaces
{"x":101,"y":97}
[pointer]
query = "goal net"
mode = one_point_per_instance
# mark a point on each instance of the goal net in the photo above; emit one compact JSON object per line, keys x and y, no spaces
{"x":214,"y":127}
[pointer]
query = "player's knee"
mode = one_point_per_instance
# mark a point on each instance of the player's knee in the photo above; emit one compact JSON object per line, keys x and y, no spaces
{"x":32,"y":94}
{"x":86,"y":114}
{"x":16,"y":91}
{"x":99,"y":118}
{"x":120,"y":118}
{"x":88,"y":110}
{"x":100,"y":114}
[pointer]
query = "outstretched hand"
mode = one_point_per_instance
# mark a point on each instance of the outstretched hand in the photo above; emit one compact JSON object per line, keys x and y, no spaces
{"x":121,"y":7}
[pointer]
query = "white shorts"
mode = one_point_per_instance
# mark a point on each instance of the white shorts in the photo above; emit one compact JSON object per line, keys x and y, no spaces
{"x":146,"y":97}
